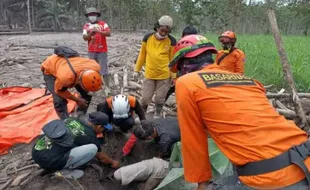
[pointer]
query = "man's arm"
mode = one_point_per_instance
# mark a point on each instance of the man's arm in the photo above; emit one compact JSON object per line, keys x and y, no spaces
{"x":62,"y":90}
{"x":139,"y":111}
{"x":141,"y":58}
{"x":194,"y":137}
{"x":240,"y":63}
{"x":164,"y":145}
{"x":104,"y":107}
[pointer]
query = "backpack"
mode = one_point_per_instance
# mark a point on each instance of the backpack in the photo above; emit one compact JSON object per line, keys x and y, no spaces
{"x":57,"y":132}
{"x":66,"y":53}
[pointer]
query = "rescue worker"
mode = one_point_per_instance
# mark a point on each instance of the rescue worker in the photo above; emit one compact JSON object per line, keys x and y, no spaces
{"x":60,"y":75}
{"x":188,"y":30}
{"x":268,"y":151}
{"x":164,"y":131}
{"x":95,"y":33}
{"x":121,"y":109}
{"x":155,"y":54}
{"x":230,"y":58}
{"x":71,"y":143}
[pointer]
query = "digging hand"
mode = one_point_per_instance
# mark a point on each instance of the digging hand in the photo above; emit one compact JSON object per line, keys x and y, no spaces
{"x":81,"y":102}
{"x":115,"y":164}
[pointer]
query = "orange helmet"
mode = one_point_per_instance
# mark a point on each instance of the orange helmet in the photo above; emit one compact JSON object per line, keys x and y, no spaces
{"x":228,"y":34}
{"x":91,"y":81}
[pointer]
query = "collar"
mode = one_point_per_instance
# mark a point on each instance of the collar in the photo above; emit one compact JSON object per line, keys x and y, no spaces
{"x":211,"y":66}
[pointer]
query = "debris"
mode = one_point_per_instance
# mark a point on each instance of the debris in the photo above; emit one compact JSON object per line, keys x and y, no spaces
{"x":26,"y":84}
{"x":19,"y":179}
{"x":98,"y":170}
{"x":125,"y":82}
{"x":6,"y":184}
{"x":25,"y":168}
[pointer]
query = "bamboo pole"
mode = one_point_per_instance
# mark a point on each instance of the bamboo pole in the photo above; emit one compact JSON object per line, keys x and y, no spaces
{"x":29,"y":17}
{"x":287,"y":69}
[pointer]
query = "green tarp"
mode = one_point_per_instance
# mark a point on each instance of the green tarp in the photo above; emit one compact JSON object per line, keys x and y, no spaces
{"x":175,"y":178}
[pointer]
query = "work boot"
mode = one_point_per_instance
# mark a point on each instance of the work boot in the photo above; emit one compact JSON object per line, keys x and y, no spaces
{"x":145,"y":108}
{"x":158,"y":108}
{"x":106,"y":85}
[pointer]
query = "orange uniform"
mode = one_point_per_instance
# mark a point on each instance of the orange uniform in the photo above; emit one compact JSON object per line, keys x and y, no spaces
{"x":234,"y":110}
{"x":233,"y":62}
{"x":65,"y":78}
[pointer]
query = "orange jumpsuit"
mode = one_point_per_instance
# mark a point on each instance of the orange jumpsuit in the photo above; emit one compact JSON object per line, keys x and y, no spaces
{"x":233,"y":62}
{"x":65,"y":78}
{"x":234,"y":110}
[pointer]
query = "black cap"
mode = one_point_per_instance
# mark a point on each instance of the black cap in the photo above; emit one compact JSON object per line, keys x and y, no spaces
{"x":98,"y":118}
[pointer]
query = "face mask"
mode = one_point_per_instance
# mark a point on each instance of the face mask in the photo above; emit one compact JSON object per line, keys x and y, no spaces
{"x":226,"y":46}
{"x":160,"y":37}
{"x":92,"y":19}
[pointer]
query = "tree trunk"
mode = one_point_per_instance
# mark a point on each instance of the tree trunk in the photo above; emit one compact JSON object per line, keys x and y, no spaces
{"x":29,"y":16}
{"x":32,"y":13}
{"x":287,"y":70}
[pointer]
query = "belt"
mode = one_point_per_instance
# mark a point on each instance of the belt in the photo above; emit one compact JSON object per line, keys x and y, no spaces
{"x":295,"y":155}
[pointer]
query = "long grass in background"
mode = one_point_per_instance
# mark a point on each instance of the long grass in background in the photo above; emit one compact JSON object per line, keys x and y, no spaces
{"x":263,"y":61}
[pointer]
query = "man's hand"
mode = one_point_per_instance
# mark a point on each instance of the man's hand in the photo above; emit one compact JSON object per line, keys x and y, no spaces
{"x":115,"y":164}
{"x":81,"y":102}
{"x":135,"y":75}
{"x":202,"y":186}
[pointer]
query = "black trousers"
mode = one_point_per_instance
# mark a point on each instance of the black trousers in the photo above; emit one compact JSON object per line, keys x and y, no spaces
{"x":60,"y":103}
{"x":124,"y":124}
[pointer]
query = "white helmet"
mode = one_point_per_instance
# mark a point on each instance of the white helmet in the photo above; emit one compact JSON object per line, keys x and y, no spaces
{"x":120,"y":106}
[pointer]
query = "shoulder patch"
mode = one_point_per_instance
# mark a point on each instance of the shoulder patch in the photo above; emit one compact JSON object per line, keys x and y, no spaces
{"x":147,"y":36}
{"x":172,"y":40}
{"x":220,"y":79}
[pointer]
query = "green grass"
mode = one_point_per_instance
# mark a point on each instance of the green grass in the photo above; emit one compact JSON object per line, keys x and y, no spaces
{"x":263,"y":61}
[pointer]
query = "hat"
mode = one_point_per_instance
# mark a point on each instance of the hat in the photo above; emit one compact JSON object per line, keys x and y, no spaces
{"x":59,"y":133}
{"x":100,"y":118}
{"x":165,"y":21}
{"x":92,"y":10}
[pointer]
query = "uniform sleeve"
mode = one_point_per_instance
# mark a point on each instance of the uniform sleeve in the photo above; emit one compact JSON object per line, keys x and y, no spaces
{"x":195,"y":154}
{"x":139,"y":111}
{"x":240,"y":63}
{"x":104,"y":107}
{"x":61,"y":89}
{"x":141,"y":58}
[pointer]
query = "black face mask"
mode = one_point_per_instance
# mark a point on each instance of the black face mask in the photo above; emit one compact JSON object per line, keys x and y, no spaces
{"x":226,"y":46}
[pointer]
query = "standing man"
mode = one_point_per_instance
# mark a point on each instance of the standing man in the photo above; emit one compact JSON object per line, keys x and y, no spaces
{"x":155,"y":54}
{"x":188,"y":30}
{"x":230,"y":58}
{"x":95,"y":32}
{"x":268,"y":151}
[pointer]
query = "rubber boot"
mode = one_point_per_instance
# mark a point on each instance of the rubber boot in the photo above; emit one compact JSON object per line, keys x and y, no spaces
{"x":145,"y":108}
{"x":106,"y":85}
{"x":158,"y":108}
{"x":129,"y":145}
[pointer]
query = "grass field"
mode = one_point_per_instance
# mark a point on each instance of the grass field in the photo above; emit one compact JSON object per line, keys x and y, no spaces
{"x":263,"y":61}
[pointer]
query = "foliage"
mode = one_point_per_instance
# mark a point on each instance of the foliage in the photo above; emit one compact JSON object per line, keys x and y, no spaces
{"x":242,"y":16}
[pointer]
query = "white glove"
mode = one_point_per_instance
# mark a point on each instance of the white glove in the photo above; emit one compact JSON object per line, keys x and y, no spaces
{"x":135,"y":75}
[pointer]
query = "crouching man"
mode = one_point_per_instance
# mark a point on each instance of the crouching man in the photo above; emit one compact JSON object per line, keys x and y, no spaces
{"x":165,"y":132}
{"x":70,"y":143}
{"x":120,"y":109}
